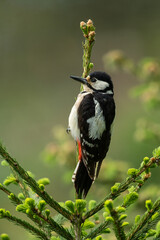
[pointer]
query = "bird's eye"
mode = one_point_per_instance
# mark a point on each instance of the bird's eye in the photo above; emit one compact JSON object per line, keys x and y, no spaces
{"x":93,"y":79}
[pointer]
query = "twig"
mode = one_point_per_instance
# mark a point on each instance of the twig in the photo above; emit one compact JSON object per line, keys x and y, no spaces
{"x":98,"y":230}
{"x":14,"y":198}
{"x":59,"y":229}
{"x":55,"y":227}
{"x":119,"y":230}
{"x":78,"y":228}
{"x":20,"y":182}
{"x":33,"y":184}
{"x":27,"y":226}
{"x":137,"y":227}
{"x":124,"y":186}
{"x":88,"y":30}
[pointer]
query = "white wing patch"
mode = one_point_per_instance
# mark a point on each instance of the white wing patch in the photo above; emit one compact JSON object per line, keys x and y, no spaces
{"x":96,"y":123}
{"x":109,"y":92}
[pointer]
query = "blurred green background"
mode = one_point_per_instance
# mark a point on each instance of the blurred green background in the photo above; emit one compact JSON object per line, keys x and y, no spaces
{"x":40,"y":47}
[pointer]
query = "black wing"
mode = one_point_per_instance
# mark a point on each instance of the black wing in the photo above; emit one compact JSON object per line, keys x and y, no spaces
{"x":94,"y":150}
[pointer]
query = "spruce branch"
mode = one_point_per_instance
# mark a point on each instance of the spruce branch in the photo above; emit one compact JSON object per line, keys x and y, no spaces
{"x":116,"y":220}
{"x":35,"y":231}
{"x":98,"y":230}
{"x":33,"y":184}
{"x":16,"y":201}
{"x":4,"y":189}
{"x":135,"y":231}
{"x":59,"y":229}
{"x":16,"y":179}
{"x":53,"y":225}
{"x":123,"y":186}
{"x":22,"y":185}
{"x":37,"y":213}
{"x":11,"y":195}
{"x":88,"y":30}
{"x":118,"y":227}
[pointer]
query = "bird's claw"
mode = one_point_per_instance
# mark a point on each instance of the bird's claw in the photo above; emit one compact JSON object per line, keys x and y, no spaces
{"x":68,"y":130}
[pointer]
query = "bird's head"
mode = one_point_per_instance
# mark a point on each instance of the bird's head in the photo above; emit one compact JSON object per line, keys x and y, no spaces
{"x":96,"y":81}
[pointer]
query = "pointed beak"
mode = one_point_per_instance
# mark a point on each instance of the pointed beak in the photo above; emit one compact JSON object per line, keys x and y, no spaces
{"x":80,"y":79}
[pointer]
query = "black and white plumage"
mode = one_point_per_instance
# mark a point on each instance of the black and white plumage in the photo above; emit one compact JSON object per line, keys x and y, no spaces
{"x":90,"y":123}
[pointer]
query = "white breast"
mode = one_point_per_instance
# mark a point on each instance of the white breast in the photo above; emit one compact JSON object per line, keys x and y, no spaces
{"x":96,"y":123}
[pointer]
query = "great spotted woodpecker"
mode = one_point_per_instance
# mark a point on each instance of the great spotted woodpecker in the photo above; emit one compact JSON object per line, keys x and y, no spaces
{"x":90,"y":123}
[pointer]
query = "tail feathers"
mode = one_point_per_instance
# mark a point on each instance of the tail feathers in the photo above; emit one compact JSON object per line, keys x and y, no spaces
{"x":98,"y":168}
{"x":81,"y":179}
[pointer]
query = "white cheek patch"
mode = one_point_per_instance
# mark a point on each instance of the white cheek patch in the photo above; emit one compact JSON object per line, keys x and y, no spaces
{"x":100,"y":85}
{"x":96,"y":123}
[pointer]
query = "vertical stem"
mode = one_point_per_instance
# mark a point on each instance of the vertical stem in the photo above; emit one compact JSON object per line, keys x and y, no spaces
{"x":77,"y":232}
{"x":87,"y":47}
{"x":77,"y":227}
{"x":88,"y":30}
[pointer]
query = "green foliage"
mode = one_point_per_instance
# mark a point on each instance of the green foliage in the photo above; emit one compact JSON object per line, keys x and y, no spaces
{"x":41,"y":187}
{"x":146,"y":160}
{"x":47,"y":212}
{"x":156,"y":152}
{"x":115,"y":187}
{"x":137,"y":219}
{"x":70,"y":205}
{"x":80,"y":205}
{"x":86,"y":215}
{"x":4,"y":236}
{"x":21,"y":208}
{"x":21,"y":196}
{"x":125,"y":224}
{"x":91,"y":224}
{"x":109,"y":205}
{"x":132,"y":172}
{"x":130,"y":199}
{"x":158,"y":229}
{"x":92,"y":204}
{"x":55,"y":238}
{"x":87,"y":225}
{"x":88,"y":31}
{"x":4,"y":163}
{"x":2,"y":212}
{"x":10,"y":179}
{"x":99,"y":238}
{"x":30,"y":202}
{"x":41,"y":205}
{"x":149,"y":205}
{"x":44,"y":181}
{"x":121,"y":209}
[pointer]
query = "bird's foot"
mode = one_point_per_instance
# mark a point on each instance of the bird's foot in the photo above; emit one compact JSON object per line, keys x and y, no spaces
{"x":68,"y":130}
